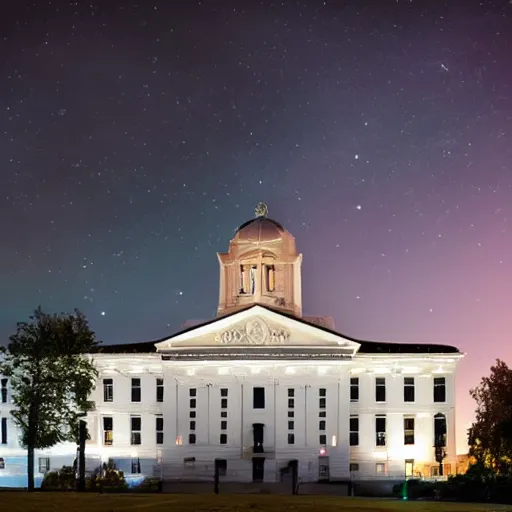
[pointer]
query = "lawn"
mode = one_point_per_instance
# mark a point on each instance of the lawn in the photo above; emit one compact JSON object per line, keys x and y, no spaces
{"x":63,"y":502}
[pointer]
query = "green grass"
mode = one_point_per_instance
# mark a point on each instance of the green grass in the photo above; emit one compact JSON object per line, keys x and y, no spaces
{"x":72,"y":502}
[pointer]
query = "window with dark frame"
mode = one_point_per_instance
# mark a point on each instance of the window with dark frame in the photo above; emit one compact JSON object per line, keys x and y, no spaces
{"x":408,"y":431}
{"x":192,"y":414}
{"x":291,"y":425}
{"x":3,"y":433}
{"x":354,"y":389}
{"x":354,"y":431}
{"x":159,"y":390}
{"x":3,"y":390}
{"x":136,"y":427}
{"x":291,"y":414}
{"x":135,"y":466}
{"x":440,"y":430}
{"x":136,"y":392}
{"x":224,"y":403}
{"x":223,"y":414}
{"x":439,"y":389}
{"x":224,"y":392}
{"x":258,"y":398}
{"x":291,"y":438}
{"x":322,"y":398}
{"x":108,"y":390}
{"x":223,"y":439}
{"x":108,"y":430}
{"x":224,"y":425}
{"x":380,"y":389}
{"x":191,"y":438}
{"x":321,"y":425}
{"x":192,"y":425}
{"x":380,"y":430}
{"x":44,"y":464}
{"x":159,"y":430}
{"x":323,"y":440}
{"x":409,"y":389}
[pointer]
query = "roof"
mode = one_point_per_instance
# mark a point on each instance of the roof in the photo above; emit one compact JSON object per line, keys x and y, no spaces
{"x":260,"y":230}
{"x":367,"y":347}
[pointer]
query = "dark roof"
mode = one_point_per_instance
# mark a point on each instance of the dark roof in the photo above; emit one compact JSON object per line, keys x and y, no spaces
{"x":367,"y":347}
{"x":261,"y":220}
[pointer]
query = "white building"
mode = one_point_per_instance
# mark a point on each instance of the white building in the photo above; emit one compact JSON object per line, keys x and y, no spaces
{"x":259,"y":386}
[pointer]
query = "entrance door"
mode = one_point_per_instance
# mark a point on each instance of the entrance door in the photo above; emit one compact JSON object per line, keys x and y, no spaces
{"x":409,"y":468}
{"x":323,"y":468}
{"x":258,"y":469}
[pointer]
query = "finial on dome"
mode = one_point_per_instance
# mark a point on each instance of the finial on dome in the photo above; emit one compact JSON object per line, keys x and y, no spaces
{"x":261,"y":210}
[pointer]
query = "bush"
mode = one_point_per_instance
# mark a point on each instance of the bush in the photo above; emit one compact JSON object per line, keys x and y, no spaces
{"x":416,"y":489}
{"x":150,"y":484}
{"x":62,"y":479}
{"x":107,"y":478}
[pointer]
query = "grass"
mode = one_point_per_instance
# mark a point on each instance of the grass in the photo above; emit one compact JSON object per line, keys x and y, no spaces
{"x":72,"y":502}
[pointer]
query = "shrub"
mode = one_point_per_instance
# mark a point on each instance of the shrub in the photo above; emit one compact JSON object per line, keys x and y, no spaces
{"x":62,"y":479}
{"x":106,"y":478}
{"x":150,"y":484}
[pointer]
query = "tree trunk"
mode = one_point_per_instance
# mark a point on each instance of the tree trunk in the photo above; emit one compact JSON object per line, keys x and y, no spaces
{"x":30,"y":468}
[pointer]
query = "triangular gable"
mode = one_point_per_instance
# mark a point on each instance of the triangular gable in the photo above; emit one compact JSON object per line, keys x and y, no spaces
{"x":253,"y":327}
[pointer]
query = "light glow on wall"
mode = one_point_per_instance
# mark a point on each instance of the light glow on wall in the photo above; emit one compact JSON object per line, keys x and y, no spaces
{"x":334,"y":441}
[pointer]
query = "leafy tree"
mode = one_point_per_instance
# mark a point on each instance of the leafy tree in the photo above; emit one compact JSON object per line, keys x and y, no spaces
{"x":51,"y":379}
{"x":490,"y":436}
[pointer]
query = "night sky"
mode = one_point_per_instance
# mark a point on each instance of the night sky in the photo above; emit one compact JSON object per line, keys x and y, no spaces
{"x":135,"y":138}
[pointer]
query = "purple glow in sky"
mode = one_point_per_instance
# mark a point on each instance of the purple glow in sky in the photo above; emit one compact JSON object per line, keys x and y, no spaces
{"x":134,"y":138}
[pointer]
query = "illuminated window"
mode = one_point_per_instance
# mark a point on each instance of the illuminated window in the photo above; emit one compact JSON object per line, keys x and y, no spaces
{"x":108,"y":431}
{"x":408,"y":430}
{"x":179,"y":441}
{"x":136,"y":427}
{"x":380,"y":468}
{"x":380,"y":430}
{"x":271,"y":279}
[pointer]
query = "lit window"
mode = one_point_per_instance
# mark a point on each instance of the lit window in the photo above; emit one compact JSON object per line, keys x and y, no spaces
{"x":408,"y":430}
{"x":108,"y":430}
{"x":380,"y":431}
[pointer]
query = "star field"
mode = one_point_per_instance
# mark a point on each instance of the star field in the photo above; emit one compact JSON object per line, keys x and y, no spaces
{"x":134,"y":139}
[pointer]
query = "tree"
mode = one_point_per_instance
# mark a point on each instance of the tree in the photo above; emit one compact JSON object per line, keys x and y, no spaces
{"x":51,"y":379}
{"x":490,"y":436}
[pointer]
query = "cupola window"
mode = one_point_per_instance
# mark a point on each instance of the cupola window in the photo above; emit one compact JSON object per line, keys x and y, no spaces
{"x":271,"y":278}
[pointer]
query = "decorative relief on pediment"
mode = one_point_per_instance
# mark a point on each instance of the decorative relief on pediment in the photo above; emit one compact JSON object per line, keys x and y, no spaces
{"x":255,"y":332}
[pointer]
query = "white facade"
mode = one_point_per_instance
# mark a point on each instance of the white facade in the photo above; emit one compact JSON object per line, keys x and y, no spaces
{"x":261,"y":386}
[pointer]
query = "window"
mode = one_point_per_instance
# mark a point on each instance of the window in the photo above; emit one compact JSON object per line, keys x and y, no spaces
{"x":159,"y":390}
{"x":380,"y":468}
{"x":258,"y":398}
{"x":380,"y":389}
{"x":223,"y":439}
{"x":192,"y":414}
{"x":380,"y":431}
{"x":322,"y":414}
{"x":322,"y":394}
{"x":354,"y":466}
{"x":189,"y":462}
{"x":243,"y":273}
{"x":192,"y":425}
{"x":439,"y":430}
{"x":354,"y":389}
{"x":252,"y":277}
{"x":291,"y":425}
{"x":408,"y":389}
{"x":224,"y":403}
{"x":191,"y":439}
{"x":4,"y":431}
{"x":136,"y":466}
{"x":108,"y":430}
{"x":2,"y":463}
{"x":222,"y":466}
{"x":323,"y":470}
{"x":291,"y":414}
{"x":193,"y":403}
{"x":44,"y":465}
{"x":136,"y":424}
{"x":159,"y":430}
{"x":322,"y":439}
{"x":223,"y":414}
{"x":271,"y":278}
{"x":223,"y":425}
{"x":408,"y":430}
{"x":224,"y":392}
{"x":439,"y":389}
{"x":3,"y":390}
{"x":291,"y":403}
{"x":192,"y":392}
{"x":291,"y":392}
{"x":354,"y":431}
{"x":291,"y":438}
{"x":321,"y":425}
{"x":135,"y":390}
{"x":108,"y":390}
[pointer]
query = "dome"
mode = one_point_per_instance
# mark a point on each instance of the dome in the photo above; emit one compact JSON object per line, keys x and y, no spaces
{"x":261,"y":229}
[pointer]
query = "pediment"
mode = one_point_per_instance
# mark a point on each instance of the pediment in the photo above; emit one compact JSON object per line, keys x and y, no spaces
{"x":256,"y":327}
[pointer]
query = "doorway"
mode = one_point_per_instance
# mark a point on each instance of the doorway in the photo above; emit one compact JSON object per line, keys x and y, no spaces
{"x":323,"y":468}
{"x":258,"y":469}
